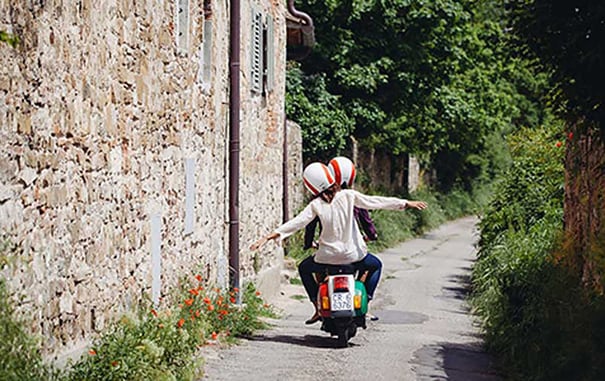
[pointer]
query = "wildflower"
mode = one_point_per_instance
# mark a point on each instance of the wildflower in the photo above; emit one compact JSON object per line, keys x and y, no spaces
{"x":114,"y":363}
{"x":235,"y":289}
{"x":223,"y":312}
{"x":161,"y":325}
{"x":180,"y":322}
{"x":214,"y":335}
{"x":570,"y":135}
{"x":188,"y":302}
{"x":207,"y":300}
{"x":194,"y":292}
{"x":257,"y":293}
{"x":197,"y":313}
{"x":92,"y":352}
{"x":154,"y":313}
{"x":232,"y":300}
{"x":558,"y":144}
{"x":198,"y":277}
{"x":210,"y":307}
{"x":266,"y":305}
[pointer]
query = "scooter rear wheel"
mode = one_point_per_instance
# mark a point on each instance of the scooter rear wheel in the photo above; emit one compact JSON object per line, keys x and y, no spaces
{"x":343,"y":338}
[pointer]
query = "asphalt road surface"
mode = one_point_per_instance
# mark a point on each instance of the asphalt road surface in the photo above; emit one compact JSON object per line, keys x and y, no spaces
{"x":424,"y":331}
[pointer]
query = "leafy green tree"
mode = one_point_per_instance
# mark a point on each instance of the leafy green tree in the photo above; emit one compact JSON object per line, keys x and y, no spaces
{"x":325,"y":125}
{"x":567,"y":37}
{"x":433,"y":79}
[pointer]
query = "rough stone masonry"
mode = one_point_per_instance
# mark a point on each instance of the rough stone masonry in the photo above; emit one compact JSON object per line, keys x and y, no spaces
{"x":114,"y":145}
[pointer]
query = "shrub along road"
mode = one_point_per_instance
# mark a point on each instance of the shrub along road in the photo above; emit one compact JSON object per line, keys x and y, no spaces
{"x":425,"y":331}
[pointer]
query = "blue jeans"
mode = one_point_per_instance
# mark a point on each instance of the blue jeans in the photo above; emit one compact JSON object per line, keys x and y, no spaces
{"x":369,"y":263}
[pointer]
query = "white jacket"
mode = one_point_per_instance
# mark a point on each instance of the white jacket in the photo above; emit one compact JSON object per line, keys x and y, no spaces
{"x":340,"y":241}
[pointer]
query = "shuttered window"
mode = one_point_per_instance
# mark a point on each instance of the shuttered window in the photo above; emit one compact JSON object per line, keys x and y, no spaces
{"x":256,"y":72}
{"x":269,"y":48}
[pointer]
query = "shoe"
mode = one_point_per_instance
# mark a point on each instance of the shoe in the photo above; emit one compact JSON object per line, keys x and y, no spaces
{"x":372,"y":317}
{"x":313,"y":319}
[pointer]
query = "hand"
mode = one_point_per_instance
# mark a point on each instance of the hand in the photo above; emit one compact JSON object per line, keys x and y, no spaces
{"x":420,"y":205}
{"x":257,"y":245}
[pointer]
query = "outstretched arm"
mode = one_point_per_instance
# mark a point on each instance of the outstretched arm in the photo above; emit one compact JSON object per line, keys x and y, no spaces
{"x":301,"y":220}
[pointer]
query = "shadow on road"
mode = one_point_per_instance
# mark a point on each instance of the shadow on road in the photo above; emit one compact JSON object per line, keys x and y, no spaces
{"x":454,"y":362}
{"x":312,"y":341}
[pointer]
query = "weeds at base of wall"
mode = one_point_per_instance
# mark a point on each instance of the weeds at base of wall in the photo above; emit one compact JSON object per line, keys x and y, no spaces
{"x":146,"y":345}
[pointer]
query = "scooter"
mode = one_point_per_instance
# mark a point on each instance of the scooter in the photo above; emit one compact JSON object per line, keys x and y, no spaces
{"x":342,"y":302}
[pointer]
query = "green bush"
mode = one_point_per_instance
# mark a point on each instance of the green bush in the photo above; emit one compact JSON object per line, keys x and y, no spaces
{"x":161,"y":345}
{"x":538,"y":319}
{"x":20,"y":358}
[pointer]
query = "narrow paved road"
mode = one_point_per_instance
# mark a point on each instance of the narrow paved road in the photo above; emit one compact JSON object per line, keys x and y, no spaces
{"x":425,"y":331}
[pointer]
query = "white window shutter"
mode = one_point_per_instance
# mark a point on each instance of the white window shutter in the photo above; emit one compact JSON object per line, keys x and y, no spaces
{"x":270,"y":64}
{"x":256,"y":75}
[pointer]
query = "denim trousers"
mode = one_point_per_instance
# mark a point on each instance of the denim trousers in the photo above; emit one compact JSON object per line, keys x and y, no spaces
{"x":369,"y":263}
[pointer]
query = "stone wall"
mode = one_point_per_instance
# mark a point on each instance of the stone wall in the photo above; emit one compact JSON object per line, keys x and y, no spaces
{"x":379,"y":169}
{"x":114,"y":144}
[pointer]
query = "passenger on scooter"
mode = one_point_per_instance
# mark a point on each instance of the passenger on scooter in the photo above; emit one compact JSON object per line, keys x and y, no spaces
{"x":344,"y":172}
{"x":340,"y":241}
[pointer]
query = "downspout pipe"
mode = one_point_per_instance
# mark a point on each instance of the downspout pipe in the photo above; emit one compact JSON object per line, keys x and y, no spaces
{"x":234,"y":143}
{"x":308,"y":33}
{"x":308,"y":27}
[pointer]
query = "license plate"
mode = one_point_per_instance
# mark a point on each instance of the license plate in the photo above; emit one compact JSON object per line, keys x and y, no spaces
{"x":342,"y":301}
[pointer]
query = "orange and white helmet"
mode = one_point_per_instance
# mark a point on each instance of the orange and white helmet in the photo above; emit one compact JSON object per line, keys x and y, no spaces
{"x":343,"y":170}
{"x":317,"y":178}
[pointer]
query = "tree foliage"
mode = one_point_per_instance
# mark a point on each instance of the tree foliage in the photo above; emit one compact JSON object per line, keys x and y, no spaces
{"x":429,"y":78}
{"x":326,"y":125}
{"x":567,"y":37}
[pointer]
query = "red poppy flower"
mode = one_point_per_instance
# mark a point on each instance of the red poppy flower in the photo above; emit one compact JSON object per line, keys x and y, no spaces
{"x":180,"y":322}
{"x":92,"y":352}
{"x":188,"y":302}
{"x":198,"y":277}
{"x":214,"y":335}
{"x":558,"y":144}
{"x":194,"y":292}
{"x":154,"y":313}
{"x":570,"y":135}
{"x":210,"y":307}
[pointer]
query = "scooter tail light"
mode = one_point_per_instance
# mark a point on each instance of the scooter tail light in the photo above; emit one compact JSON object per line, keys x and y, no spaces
{"x":357,"y":302}
{"x":325,"y":303}
{"x":324,"y":300}
{"x":341,"y":283}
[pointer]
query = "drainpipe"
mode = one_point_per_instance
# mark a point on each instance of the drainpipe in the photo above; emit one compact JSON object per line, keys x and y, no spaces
{"x":301,"y":15}
{"x":286,"y":172}
{"x":234,"y":132}
{"x":307,"y":29}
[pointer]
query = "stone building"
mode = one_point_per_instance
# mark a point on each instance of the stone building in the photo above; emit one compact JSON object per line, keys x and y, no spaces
{"x":115,"y":146}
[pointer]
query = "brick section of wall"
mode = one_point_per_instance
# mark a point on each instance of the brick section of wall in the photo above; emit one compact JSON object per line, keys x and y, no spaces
{"x":99,"y":112}
{"x":585,"y":207}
